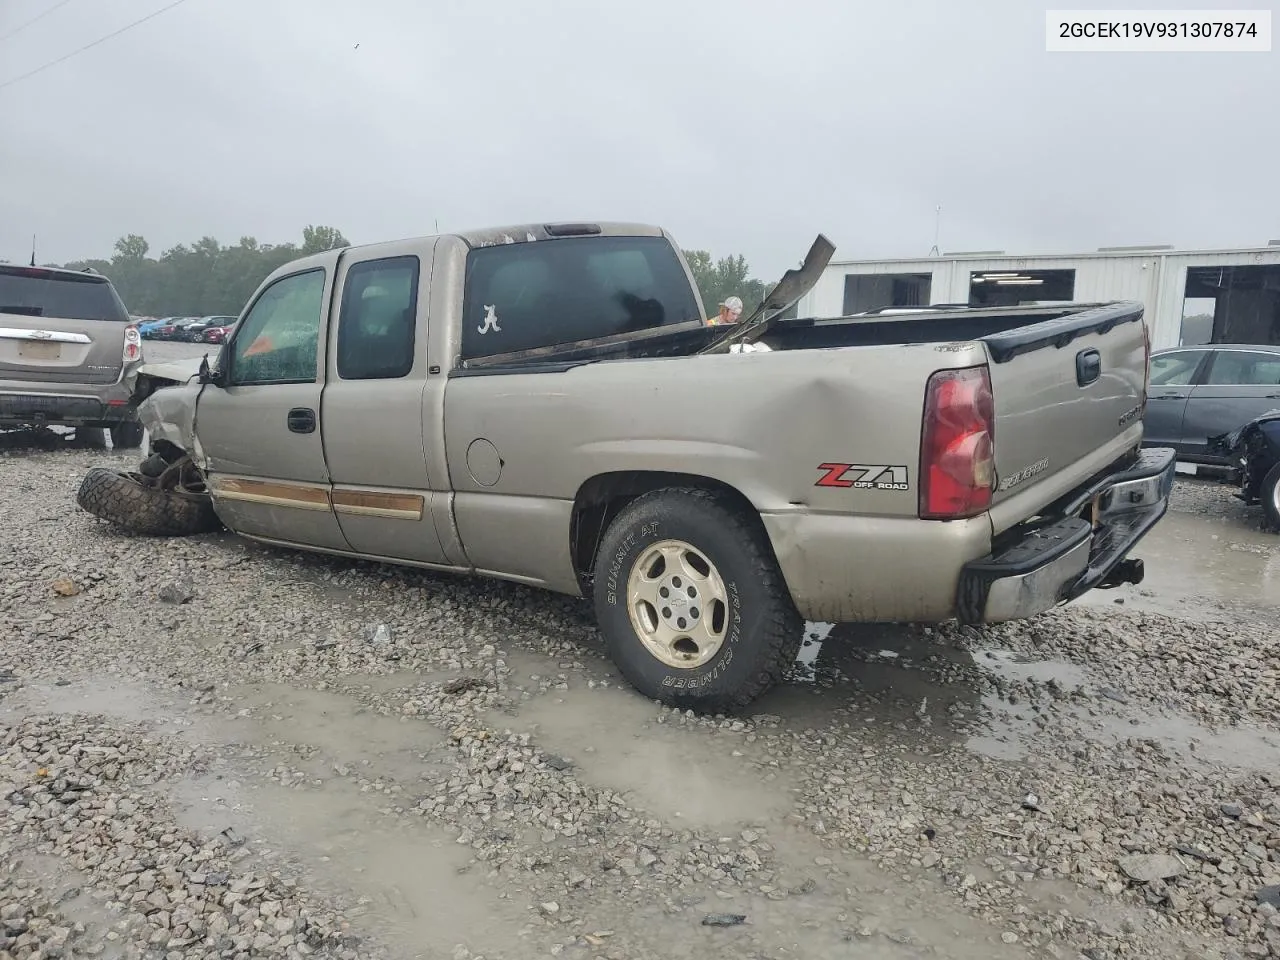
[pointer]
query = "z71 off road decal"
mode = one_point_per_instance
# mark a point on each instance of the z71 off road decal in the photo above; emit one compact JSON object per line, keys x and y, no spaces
{"x":863,"y":476}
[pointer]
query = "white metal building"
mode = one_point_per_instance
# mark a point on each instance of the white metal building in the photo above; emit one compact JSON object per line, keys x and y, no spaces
{"x":1191,"y":296}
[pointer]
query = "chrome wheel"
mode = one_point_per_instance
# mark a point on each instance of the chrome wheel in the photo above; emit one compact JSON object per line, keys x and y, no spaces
{"x":678,"y":604}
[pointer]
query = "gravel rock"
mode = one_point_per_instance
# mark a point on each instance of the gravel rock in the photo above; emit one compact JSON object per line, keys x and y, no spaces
{"x":890,"y":775}
{"x":1146,"y":868}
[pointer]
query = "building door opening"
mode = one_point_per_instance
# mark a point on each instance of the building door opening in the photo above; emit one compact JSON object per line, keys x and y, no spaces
{"x":871,"y":291}
{"x":1242,"y":302}
{"x":1009,"y":288}
{"x":1197,"y":321}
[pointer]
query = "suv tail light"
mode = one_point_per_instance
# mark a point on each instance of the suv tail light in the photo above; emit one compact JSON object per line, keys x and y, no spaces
{"x":957,"y":449}
{"x":132,"y":344}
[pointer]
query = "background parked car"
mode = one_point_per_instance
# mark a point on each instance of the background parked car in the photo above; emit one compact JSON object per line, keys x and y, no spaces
{"x":219,"y":334}
{"x":149,"y":329}
{"x":1198,"y":392}
{"x":1255,"y":447}
{"x":173,"y":327}
{"x":67,"y":346}
{"x":195,"y":332}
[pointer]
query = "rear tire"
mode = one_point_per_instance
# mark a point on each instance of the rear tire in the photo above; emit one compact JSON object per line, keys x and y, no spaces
{"x":1270,"y":494}
{"x":694,"y":610}
{"x":125,"y":501}
{"x":127,"y":435}
{"x":89,"y":438}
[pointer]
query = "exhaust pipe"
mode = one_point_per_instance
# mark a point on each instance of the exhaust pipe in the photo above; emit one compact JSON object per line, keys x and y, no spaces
{"x":1126,"y":571}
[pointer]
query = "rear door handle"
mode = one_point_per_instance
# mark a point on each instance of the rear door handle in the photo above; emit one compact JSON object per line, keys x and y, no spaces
{"x":302,"y":420}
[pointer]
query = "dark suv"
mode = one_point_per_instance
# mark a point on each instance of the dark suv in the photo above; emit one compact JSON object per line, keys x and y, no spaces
{"x":67,"y":345}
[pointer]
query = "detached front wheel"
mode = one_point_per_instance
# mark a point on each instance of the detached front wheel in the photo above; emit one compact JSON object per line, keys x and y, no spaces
{"x":693,"y":608}
{"x":137,"y":505}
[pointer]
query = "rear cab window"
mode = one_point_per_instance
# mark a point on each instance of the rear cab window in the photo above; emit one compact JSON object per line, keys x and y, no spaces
{"x":36,"y":292}
{"x":522,"y":296}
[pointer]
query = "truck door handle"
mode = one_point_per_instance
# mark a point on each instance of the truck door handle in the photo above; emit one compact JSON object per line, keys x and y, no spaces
{"x":1088,"y":367}
{"x":302,"y":420}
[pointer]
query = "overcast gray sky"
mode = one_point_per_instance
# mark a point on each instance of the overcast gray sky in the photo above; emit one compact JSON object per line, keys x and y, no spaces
{"x":744,"y":127}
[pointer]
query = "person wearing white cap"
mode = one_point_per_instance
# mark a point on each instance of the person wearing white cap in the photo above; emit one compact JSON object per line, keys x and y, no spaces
{"x":730,"y":311}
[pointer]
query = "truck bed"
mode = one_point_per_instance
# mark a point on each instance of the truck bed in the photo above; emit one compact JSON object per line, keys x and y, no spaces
{"x":1006,"y":331}
{"x":1067,"y":382}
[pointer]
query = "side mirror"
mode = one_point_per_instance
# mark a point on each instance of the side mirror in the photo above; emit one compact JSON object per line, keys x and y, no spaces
{"x":210,"y":375}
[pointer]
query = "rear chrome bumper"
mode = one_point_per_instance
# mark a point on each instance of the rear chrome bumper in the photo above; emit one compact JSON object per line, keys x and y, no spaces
{"x":33,"y":402}
{"x":1056,"y":562}
{"x":109,"y":406}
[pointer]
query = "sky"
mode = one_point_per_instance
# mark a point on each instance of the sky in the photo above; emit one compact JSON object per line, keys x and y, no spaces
{"x":742,"y":126}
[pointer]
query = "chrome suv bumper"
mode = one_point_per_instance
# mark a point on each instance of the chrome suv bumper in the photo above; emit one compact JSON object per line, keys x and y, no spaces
{"x":1038,"y":567}
{"x":108,"y":404}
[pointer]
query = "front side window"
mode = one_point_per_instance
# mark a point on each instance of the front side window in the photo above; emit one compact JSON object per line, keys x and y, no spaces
{"x":1175,"y":369}
{"x":376,"y":323}
{"x":280,"y":336}
{"x":520,"y":296}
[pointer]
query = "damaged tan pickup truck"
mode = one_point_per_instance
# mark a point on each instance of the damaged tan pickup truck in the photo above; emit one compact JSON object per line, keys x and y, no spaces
{"x":547,"y":404}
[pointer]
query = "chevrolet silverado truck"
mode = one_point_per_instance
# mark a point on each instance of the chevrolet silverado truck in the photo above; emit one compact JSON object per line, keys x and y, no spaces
{"x":547,"y":404}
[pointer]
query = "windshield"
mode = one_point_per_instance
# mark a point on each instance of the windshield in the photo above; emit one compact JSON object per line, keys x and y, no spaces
{"x":33,"y":292}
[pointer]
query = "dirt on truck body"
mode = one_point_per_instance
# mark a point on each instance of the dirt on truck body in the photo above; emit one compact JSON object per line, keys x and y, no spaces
{"x":546,"y":404}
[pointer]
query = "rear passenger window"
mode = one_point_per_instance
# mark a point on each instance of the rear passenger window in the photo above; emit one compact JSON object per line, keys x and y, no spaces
{"x":521,"y":296}
{"x":378,"y":315}
{"x":1237,"y":368}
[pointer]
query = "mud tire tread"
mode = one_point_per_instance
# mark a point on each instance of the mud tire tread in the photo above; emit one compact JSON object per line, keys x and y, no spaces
{"x":775,"y":641}
{"x":143,"y":511}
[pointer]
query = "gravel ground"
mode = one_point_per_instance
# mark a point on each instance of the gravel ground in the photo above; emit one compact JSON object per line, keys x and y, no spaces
{"x":213,"y":749}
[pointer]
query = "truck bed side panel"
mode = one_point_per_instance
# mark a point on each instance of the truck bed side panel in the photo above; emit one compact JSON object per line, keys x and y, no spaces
{"x":521,"y":445}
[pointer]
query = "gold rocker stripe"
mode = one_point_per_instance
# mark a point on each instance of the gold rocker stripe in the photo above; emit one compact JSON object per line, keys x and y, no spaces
{"x":358,"y":503}
{"x":366,"y":503}
{"x":271,"y":492}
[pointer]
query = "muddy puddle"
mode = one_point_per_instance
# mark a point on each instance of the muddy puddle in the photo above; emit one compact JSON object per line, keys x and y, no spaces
{"x":614,"y":739}
{"x":411,"y":881}
{"x":1195,"y":566}
{"x":899,"y":679}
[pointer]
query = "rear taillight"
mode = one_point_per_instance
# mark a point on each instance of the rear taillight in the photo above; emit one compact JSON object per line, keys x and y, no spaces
{"x":957,"y":449}
{"x":132,"y":344}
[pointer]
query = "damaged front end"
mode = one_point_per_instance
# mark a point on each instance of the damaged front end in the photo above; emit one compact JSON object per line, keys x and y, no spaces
{"x":1253,"y":450}
{"x":167,"y":494}
{"x":165,"y":396}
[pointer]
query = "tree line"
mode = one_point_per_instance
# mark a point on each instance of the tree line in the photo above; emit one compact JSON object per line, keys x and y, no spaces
{"x":206,"y":278}
{"x":202,"y":278}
